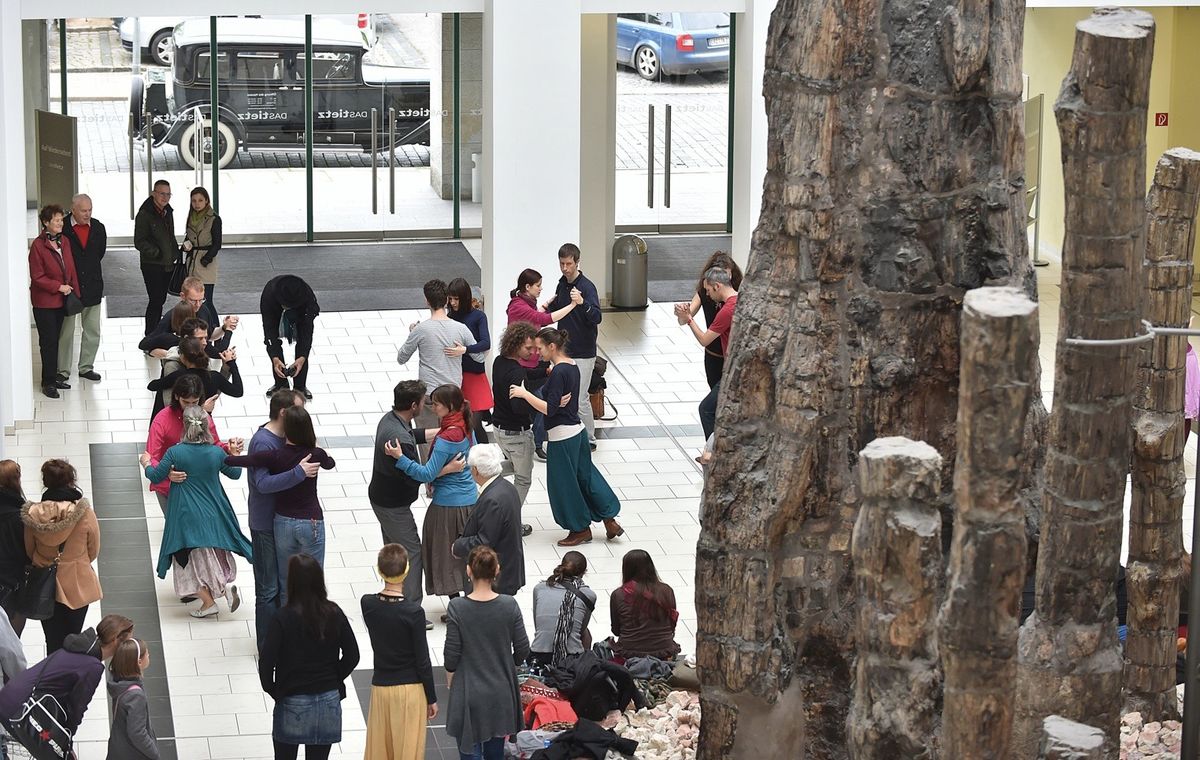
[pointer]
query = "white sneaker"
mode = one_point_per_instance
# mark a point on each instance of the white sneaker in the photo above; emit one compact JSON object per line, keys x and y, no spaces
{"x":204,"y":613}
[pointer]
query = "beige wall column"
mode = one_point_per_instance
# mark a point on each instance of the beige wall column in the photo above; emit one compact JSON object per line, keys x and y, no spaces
{"x":598,"y":149}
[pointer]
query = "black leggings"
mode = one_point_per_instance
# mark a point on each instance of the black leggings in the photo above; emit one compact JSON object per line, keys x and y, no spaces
{"x":311,"y":751}
{"x":64,"y":622}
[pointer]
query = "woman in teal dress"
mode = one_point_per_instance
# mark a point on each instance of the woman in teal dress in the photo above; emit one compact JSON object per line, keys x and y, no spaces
{"x":202,"y":532}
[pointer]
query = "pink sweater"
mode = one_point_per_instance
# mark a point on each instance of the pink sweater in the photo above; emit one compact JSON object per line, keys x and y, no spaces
{"x":523,"y":309}
{"x":165,"y":431}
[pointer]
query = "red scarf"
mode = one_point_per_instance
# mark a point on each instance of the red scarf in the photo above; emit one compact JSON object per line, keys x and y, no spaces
{"x":454,"y":428}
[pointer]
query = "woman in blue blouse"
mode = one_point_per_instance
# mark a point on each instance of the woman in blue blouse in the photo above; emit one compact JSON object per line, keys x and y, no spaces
{"x":463,"y":307}
{"x":453,"y":493}
{"x":579,"y":494}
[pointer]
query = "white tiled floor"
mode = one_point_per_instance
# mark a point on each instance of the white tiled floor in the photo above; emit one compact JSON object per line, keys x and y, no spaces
{"x":656,"y":377}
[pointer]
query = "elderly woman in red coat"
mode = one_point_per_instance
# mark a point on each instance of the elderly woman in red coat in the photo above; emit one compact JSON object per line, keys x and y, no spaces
{"x":52,"y":278}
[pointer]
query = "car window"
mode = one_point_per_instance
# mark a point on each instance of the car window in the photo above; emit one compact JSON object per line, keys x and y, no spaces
{"x":660,"y":19}
{"x":202,"y":66}
{"x":632,"y":16}
{"x":704,"y":20}
{"x":255,"y":66}
{"x":328,"y":66}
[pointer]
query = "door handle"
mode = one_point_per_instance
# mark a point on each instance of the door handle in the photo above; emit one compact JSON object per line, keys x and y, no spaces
{"x":667,"y":160}
{"x":149,"y":148}
{"x":650,"y":160}
{"x":132,"y":209}
{"x":392,"y":160}
{"x":374,"y":163}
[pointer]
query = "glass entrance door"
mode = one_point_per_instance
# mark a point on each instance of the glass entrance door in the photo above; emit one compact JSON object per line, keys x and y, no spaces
{"x":672,"y":121}
{"x":374,"y":175}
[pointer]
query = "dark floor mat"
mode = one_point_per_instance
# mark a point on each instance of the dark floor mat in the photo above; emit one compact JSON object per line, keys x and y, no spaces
{"x":675,"y":262}
{"x":346,"y":277}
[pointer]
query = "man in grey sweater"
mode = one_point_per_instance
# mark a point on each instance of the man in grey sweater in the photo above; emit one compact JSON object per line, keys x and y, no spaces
{"x":439,"y":343}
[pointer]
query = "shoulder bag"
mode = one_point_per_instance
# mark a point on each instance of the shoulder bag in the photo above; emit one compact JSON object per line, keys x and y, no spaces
{"x":71,"y":303}
{"x":41,"y":726}
{"x":36,"y":595}
{"x":179,"y":273}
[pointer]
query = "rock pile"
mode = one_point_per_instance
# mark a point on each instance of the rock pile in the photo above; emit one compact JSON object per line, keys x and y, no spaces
{"x":668,"y":731}
{"x":1149,"y":741}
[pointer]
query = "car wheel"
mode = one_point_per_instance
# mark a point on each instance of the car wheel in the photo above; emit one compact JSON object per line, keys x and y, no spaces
{"x":226,"y":147}
{"x":160,"y":47}
{"x":645,"y":61}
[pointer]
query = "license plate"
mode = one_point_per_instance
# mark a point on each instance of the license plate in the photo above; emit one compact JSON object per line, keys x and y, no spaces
{"x":715,"y":42}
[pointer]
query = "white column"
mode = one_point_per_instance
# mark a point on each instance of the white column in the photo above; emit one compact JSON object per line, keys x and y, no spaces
{"x":749,"y":124}
{"x":16,"y":377}
{"x":598,"y":162}
{"x":531,"y":156}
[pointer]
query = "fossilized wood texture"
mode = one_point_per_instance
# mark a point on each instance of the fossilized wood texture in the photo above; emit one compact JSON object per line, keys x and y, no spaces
{"x":1064,"y":739}
{"x":1153,"y":573}
{"x":897,"y":553}
{"x":894,"y":184}
{"x":978,"y":620}
{"x":1070,"y":658}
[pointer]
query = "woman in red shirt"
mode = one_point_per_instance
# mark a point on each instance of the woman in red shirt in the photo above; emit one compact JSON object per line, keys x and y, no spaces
{"x":51,"y":278}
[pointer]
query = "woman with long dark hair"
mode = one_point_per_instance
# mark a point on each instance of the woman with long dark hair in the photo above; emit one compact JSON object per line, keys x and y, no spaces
{"x":309,"y":652}
{"x":166,"y":428}
{"x":562,"y":607}
{"x":643,"y":611}
{"x":202,"y":241}
{"x":579,"y":494}
{"x":453,"y":494}
{"x":485,"y":639}
{"x":714,"y":359}
{"x":12,"y":540}
{"x":463,"y":307}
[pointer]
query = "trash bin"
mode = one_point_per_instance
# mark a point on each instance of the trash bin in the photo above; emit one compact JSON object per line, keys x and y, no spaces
{"x":629,"y":273}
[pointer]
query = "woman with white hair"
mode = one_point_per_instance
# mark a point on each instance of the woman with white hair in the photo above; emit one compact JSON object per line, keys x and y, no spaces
{"x":495,"y":520}
{"x":202,"y":532}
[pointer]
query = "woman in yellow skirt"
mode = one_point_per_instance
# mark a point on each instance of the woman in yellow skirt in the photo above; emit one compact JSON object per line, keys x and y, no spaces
{"x":402,"y":695}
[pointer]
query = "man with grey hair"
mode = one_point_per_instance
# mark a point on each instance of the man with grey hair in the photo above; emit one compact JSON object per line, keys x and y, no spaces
{"x":718,"y":283}
{"x":89,"y":242}
{"x":495,"y":519}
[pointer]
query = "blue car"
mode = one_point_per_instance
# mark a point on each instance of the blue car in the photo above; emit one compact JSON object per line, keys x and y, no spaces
{"x":654,"y":44}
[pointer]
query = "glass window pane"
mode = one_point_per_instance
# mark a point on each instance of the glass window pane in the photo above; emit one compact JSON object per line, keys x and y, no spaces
{"x":203,"y":65}
{"x":327,"y":67}
{"x":253,"y":66}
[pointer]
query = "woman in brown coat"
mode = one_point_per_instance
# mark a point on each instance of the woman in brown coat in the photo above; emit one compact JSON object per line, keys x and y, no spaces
{"x":63,"y":525}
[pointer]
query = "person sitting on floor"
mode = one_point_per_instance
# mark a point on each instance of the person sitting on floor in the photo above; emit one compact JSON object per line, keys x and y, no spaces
{"x":643,"y":611}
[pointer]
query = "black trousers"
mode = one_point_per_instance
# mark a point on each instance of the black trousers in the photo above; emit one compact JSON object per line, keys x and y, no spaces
{"x":156,"y":279}
{"x":49,"y":324}
{"x":65,"y":622}
{"x":713,"y":367}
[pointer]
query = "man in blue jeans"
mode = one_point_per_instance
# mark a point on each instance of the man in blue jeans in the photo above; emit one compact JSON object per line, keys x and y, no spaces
{"x":263,"y":486}
{"x":718,"y":283}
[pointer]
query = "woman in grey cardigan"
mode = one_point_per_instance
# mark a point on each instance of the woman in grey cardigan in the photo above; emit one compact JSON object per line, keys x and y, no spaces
{"x":485,"y":639}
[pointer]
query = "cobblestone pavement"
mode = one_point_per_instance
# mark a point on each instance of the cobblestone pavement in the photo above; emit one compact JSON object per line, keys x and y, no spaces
{"x":700,"y":108}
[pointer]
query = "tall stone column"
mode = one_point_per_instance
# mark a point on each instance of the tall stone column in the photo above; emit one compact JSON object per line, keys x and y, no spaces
{"x":441,"y":101}
{"x":1070,"y":658}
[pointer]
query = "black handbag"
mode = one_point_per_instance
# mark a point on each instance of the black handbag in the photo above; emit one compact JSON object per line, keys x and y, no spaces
{"x":179,"y":273}
{"x":71,"y":303}
{"x":41,"y":726}
{"x":36,"y":595}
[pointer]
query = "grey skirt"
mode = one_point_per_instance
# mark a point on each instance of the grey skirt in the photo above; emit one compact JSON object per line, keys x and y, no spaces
{"x":444,"y":575}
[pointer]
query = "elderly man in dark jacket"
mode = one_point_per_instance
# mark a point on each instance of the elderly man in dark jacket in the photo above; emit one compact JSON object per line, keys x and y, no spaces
{"x":89,"y":242}
{"x":495,"y":519}
{"x":154,"y":237}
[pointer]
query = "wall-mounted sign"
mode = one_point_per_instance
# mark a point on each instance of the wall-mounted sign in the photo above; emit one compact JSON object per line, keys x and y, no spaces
{"x":1160,"y":119}
{"x":57,"y":169}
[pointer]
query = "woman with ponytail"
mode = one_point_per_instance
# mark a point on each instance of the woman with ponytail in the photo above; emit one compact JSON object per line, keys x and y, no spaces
{"x":402,"y":694}
{"x":453,"y":493}
{"x":562,"y":607}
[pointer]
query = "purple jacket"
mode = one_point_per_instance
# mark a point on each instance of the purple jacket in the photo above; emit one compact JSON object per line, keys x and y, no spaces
{"x":71,"y":674}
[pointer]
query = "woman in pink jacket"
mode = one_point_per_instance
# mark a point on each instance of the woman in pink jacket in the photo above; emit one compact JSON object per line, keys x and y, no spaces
{"x":167,"y":428}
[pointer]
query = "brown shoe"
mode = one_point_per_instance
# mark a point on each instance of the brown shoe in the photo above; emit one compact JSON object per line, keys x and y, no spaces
{"x":577,"y":537}
{"x":612,"y":529}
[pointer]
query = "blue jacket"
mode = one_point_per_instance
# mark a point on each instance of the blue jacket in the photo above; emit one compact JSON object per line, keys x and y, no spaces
{"x":582,"y":324}
{"x":454,"y":490}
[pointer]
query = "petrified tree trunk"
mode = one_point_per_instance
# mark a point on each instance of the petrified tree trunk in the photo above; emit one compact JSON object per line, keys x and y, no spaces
{"x":897,"y":551}
{"x":978,"y":621}
{"x":1154,"y":574}
{"x":1064,"y":739}
{"x":894,"y":184}
{"x":1070,"y":659}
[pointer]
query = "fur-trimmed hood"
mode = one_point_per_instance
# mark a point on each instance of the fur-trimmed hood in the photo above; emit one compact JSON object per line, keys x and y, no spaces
{"x":54,"y":520}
